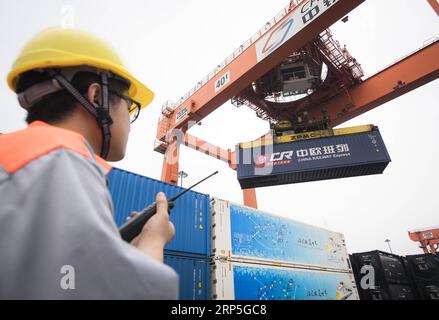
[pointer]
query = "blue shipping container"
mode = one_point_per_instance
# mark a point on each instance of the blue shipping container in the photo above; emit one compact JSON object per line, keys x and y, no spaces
{"x":190,"y":216}
{"x":194,"y":276}
{"x":310,"y":160}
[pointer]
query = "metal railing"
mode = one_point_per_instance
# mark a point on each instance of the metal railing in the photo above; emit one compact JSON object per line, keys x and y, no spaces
{"x":339,"y":56}
{"x":261,"y":32}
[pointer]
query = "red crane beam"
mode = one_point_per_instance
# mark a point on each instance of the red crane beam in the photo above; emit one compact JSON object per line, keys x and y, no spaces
{"x":404,"y":76}
{"x":435,"y":5}
{"x":289,"y":34}
{"x":257,"y":58}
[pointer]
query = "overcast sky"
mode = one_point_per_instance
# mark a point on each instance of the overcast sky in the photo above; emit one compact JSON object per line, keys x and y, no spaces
{"x":171,"y":45}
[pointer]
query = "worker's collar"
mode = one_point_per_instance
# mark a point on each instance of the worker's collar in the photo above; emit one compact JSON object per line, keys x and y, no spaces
{"x":103,"y":163}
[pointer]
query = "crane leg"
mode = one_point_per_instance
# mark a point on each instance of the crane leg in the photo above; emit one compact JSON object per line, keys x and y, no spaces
{"x":250,"y":198}
{"x":170,"y":164}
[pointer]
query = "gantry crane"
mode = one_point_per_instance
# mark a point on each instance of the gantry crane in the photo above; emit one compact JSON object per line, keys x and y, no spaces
{"x":427,"y":238}
{"x":291,"y":65}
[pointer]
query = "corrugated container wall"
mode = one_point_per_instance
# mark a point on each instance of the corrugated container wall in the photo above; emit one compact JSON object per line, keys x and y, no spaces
{"x":424,"y":272}
{"x":194,"y":276}
{"x":391,"y":281}
{"x":310,"y":160}
{"x":190,"y":216}
{"x":243,"y":233}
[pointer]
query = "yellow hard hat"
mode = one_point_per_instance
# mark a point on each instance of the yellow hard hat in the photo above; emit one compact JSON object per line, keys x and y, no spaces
{"x":59,"y":47}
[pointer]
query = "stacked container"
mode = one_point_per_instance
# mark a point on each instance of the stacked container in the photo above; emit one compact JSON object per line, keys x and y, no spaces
{"x":391,"y":281}
{"x":424,"y":272}
{"x":188,"y":253}
{"x":256,"y":255}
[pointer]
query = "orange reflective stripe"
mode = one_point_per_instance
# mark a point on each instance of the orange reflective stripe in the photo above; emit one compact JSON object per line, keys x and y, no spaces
{"x":104,"y":164}
{"x":19,"y":148}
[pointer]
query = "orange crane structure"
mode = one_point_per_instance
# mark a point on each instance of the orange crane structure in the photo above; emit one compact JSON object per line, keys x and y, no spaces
{"x":428,"y":239}
{"x":292,"y":64}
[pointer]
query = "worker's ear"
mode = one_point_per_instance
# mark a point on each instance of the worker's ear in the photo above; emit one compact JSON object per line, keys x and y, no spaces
{"x":94,"y":94}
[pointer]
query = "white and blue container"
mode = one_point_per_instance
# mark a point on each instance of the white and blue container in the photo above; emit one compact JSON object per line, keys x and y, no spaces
{"x":190,"y":216}
{"x":247,"y":281}
{"x":246,"y":234}
{"x":224,"y":250}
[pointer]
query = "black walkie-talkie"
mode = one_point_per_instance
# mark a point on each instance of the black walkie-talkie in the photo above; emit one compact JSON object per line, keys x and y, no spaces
{"x":133,"y":227}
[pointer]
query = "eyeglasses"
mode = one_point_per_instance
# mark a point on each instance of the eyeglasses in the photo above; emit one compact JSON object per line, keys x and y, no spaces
{"x":133,"y":108}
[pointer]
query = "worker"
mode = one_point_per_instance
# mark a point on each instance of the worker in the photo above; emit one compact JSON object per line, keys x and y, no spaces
{"x":58,"y":239}
{"x":346,"y":53}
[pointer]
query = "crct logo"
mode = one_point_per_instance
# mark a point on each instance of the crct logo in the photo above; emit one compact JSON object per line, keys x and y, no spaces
{"x":262,"y":160}
{"x":277,"y":37}
{"x":277,"y":158}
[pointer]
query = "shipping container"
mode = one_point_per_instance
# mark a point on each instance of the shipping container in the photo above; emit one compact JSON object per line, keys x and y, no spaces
{"x":388,"y":267}
{"x":386,"y":276}
{"x":248,"y":281}
{"x":424,"y":272}
{"x":390,"y":292}
{"x":244,"y":233}
{"x":190,"y":216}
{"x":311,"y":160}
{"x":194,"y":274}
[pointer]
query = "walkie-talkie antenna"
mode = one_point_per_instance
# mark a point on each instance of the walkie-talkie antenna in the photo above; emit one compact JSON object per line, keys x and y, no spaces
{"x":134,"y":226}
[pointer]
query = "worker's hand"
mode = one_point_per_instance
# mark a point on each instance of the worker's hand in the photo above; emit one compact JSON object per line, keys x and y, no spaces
{"x":157,"y":232}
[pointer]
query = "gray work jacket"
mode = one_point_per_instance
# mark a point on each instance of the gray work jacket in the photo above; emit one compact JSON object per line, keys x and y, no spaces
{"x":58,"y":239}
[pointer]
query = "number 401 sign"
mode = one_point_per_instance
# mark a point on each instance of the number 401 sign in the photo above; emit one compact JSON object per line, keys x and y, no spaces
{"x":221,"y":82}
